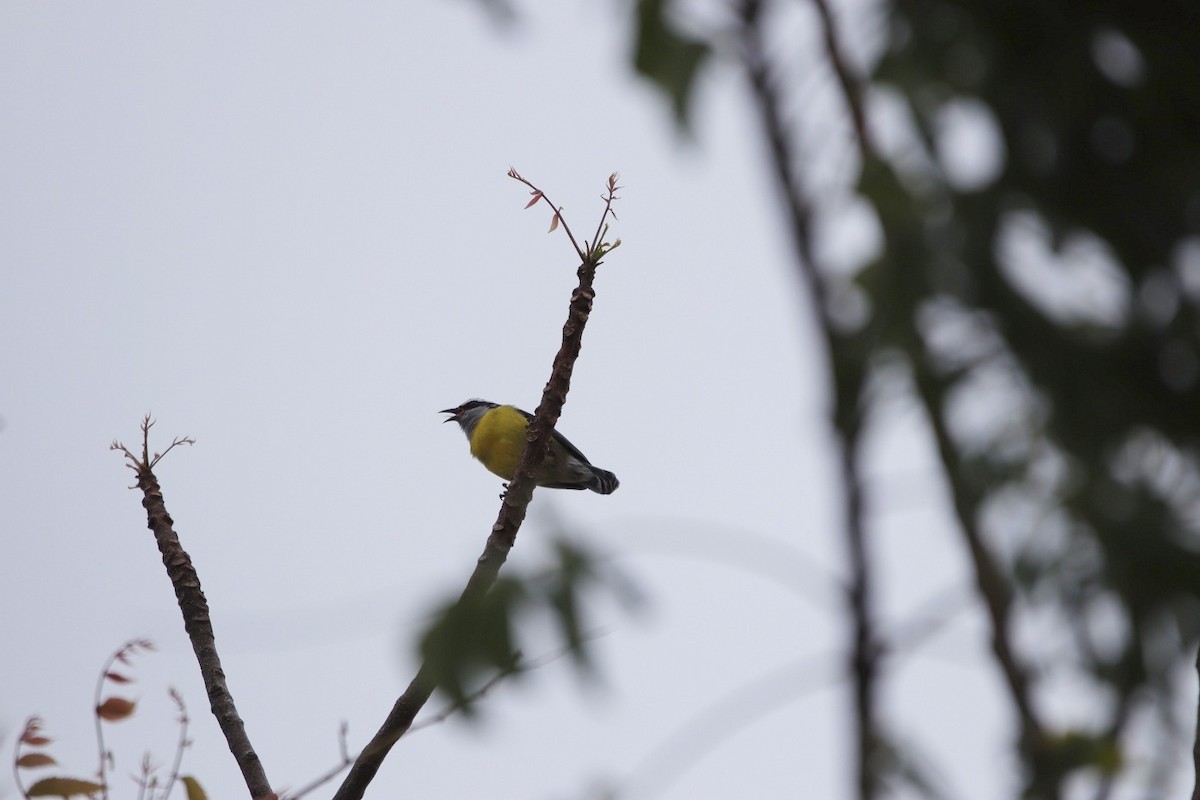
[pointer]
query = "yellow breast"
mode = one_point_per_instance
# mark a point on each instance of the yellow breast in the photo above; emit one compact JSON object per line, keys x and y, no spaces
{"x":499,"y":439}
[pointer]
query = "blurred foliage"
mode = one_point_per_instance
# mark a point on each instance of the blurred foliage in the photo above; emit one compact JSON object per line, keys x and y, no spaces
{"x":502,"y":12}
{"x":1036,"y":183}
{"x":1096,"y":194}
{"x":668,"y":57}
{"x":466,"y":646}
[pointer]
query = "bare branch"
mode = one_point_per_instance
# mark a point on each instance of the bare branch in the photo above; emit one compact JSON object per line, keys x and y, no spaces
{"x":194,"y":607}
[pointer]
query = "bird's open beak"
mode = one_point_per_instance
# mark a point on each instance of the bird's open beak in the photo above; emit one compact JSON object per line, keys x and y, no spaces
{"x":452,"y":411}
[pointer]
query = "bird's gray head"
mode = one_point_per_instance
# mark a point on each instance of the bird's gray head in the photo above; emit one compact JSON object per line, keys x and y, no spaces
{"x":468,"y":414}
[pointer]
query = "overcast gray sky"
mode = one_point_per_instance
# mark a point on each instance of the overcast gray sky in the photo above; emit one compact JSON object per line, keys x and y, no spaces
{"x":285,"y":229}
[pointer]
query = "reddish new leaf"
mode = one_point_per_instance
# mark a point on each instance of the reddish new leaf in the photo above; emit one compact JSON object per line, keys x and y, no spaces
{"x":115,"y":709}
{"x":35,"y":760}
{"x":31,"y":735}
{"x":117,"y":677}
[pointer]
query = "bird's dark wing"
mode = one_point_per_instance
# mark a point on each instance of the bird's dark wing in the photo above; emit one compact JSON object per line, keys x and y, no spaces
{"x":558,"y":437}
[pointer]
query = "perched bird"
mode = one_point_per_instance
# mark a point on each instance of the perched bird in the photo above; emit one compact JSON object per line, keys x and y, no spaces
{"x":497,"y":437}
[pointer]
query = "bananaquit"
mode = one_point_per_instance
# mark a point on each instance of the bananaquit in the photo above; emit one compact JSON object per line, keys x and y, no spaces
{"x":497,"y":437}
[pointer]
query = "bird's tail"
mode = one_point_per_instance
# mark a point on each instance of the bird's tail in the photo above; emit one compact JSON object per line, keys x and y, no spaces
{"x":603,"y":481}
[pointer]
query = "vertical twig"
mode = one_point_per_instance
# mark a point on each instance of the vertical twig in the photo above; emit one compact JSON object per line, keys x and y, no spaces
{"x":122,"y":655}
{"x":849,"y":84}
{"x":847,"y":371}
{"x":181,"y":745}
{"x":990,"y":580}
{"x":1196,"y":746}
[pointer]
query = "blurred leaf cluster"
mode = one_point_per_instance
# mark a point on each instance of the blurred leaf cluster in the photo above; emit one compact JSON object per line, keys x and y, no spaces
{"x":468,"y":645}
{"x":1033,"y":168}
{"x":1070,"y":280}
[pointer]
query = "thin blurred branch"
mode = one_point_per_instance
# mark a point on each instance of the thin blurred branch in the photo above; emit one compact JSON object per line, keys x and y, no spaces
{"x":850,"y":84}
{"x":735,"y":711}
{"x":990,"y":581}
{"x":729,"y":714}
{"x":345,"y":760}
{"x":1095,"y":385}
{"x":512,"y":507}
{"x":932,"y":617}
{"x":1196,"y":746}
{"x":194,"y":606}
{"x":848,"y":375}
